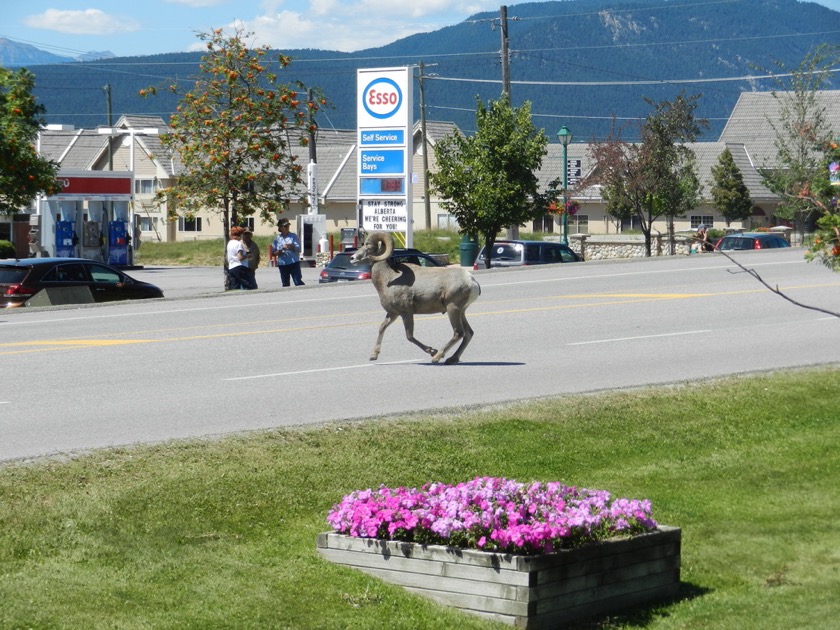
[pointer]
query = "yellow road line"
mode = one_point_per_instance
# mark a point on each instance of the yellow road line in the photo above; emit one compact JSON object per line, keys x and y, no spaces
{"x":601,"y":299}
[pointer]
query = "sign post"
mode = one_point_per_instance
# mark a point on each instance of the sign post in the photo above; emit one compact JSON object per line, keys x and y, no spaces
{"x":384,"y":111}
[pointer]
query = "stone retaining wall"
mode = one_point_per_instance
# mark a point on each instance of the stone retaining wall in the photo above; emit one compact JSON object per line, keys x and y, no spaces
{"x":605,"y":247}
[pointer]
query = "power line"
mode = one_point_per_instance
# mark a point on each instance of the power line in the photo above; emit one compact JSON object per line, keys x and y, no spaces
{"x":617,"y":83}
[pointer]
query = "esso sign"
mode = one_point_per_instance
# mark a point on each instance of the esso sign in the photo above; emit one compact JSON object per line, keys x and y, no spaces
{"x":382,"y":98}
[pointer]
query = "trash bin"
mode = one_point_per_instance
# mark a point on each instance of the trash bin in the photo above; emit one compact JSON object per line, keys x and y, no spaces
{"x":469,"y":250}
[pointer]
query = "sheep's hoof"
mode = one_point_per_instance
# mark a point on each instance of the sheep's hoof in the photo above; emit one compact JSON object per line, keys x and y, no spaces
{"x":451,"y":360}
{"x":373,"y":357}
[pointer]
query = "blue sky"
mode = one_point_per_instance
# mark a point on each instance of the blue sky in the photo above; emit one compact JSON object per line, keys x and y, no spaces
{"x":145,"y":27}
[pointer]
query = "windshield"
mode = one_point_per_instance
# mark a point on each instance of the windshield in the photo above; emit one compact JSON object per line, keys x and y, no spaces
{"x":504,"y":251}
{"x":342,"y":262}
{"x":12,"y":275}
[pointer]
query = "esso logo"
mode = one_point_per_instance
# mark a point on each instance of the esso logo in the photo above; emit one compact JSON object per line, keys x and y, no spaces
{"x":382,"y":98}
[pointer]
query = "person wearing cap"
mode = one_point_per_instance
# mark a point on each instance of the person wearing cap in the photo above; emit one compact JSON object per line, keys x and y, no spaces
{"x":237,"y":258}
{"x":286,"y":247}
{"x":253,"y":255}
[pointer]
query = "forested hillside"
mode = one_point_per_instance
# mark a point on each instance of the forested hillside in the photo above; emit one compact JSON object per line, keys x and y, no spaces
{"x":580,"y":62}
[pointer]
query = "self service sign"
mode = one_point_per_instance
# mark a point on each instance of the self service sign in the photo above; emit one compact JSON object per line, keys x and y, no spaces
{"x":384,"y":113}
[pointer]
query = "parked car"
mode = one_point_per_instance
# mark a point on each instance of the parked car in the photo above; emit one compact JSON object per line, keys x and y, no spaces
{"x":517,"y":253}
{"x":21,"y":279}
{"x":752,"y":240}
{"x":340,"y":269}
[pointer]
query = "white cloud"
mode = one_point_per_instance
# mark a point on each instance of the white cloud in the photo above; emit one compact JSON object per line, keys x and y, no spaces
{"x":351,"y":26}
{"x":87,"y":22}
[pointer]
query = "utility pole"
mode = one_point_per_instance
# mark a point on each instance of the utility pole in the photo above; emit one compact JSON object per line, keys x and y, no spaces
{"x":107,"y":89}
{"x":312,"y":167}
{"x":512,"y":231}
{"x":427,"y":204}
{"x":505,"y":52}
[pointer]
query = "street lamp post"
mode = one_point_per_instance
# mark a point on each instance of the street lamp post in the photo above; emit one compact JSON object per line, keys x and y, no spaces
{"x":565,"y":137}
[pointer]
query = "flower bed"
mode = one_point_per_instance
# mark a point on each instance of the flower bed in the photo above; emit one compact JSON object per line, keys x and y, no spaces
{"x":491,"y":514}
{"x":530,"y":555}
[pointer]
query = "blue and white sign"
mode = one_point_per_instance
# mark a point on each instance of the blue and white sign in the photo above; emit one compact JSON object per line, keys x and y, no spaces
{"x":390,"y":162}
{"x":382,"y":137}
{"x":384,"y":114}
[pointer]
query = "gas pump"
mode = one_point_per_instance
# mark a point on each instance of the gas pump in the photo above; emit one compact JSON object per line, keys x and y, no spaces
{"x":65,"y":239}
{"x":117,"y":243}
{"x":92,"y":241}
{"x":35,"y":247}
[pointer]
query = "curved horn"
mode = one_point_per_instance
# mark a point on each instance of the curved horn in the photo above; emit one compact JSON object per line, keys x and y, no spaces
{"x":382,"y":239}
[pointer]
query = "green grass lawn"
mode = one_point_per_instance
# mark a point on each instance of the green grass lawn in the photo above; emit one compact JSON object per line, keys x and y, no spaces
{"x":221,"y":533}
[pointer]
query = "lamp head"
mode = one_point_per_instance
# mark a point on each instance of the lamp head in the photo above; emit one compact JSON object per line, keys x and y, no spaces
{"x":564,"y":136}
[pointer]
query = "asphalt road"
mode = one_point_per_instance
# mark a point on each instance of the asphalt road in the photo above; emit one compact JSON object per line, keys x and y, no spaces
{"x":202,"y":362}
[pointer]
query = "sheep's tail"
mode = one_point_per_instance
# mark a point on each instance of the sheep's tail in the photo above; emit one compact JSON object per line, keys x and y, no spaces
{"x":475,"y":289}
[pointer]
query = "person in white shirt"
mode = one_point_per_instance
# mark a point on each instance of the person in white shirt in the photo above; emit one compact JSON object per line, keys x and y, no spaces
{"x":237,"y":260}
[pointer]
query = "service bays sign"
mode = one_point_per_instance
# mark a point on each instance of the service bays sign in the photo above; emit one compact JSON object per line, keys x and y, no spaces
{"x":384,"y":113}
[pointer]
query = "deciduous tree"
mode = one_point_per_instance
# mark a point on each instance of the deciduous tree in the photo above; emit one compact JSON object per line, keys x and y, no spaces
{"x":234,"y":133}
{"x":656,"y":177}
{"x":802,"y":134}
{"x":23,"y":173}
{"x":488,"y":181}
{"x":825,"y":194}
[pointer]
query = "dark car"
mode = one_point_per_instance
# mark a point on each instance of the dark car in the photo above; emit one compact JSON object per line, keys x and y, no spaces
{"x":752,"y":240}
{"x":340,"y":269}
{"x":21,"y":279}
{"x":517,"y":253}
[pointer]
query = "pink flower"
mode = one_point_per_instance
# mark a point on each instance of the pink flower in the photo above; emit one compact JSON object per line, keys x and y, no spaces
{"x":491,"y":513}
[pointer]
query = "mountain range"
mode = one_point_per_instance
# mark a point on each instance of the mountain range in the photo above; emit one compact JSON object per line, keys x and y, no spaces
{"x":586,"y":64}
{"x":17,"y":54}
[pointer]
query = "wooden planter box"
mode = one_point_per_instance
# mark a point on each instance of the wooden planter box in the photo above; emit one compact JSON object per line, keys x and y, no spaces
{"x":523,"y":591}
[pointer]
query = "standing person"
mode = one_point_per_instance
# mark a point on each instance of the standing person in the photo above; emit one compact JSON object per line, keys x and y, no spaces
{"x":237,"y":258}
{"x":287,"y":249}
{"x":703,"y":237}
{"x":253,"y":252}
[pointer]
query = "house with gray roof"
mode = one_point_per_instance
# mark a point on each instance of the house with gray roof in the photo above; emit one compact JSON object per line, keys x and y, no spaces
{"x":134,"y":144}
{"x":749,"y":136}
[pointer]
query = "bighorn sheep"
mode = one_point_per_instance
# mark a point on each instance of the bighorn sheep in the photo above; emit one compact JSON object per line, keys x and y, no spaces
{"x":408,"y":290}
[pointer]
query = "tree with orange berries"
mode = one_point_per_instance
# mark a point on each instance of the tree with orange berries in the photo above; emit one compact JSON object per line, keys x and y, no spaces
{"x":23,"y":173}
{"x":234,"y":133}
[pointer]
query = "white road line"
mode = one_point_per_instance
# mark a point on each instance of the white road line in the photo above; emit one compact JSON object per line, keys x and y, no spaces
{"x":315,"y":371}
{"x":677,"y":334}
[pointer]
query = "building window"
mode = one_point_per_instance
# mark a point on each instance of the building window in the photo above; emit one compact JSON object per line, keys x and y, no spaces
{"x":699,"y":219}
{"x":144,"y":186}
{"x":189,"y":225}
{"x":579,"y":223}
{"x":545,"y":223}
{"x":447,"y":222}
